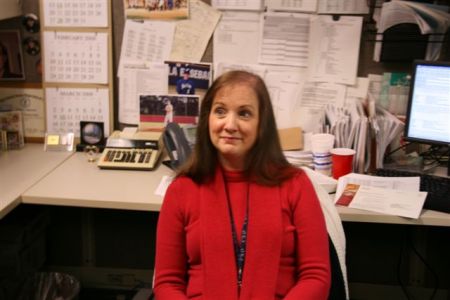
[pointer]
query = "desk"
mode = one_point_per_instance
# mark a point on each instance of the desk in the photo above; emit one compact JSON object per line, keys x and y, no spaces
{"x":20,"y":169}
{"x":427,"y":217}
{"x":80,"y":183}
{"x":68,"y":179}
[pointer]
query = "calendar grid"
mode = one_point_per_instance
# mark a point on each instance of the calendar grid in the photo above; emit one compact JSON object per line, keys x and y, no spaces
{"x":77,"y":64}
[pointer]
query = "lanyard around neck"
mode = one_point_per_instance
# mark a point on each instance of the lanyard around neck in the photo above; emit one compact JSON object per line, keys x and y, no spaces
{"x":239,"y":248}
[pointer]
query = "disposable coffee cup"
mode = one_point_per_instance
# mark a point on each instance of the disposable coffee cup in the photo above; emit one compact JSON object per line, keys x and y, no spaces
{"x":321,"y":145}
{"x":322,"y":163}
{"x":322,"y":142}
{"x":341,"y":161}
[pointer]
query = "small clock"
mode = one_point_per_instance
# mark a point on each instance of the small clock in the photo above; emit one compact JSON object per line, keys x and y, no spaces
{"x":91,"y":134}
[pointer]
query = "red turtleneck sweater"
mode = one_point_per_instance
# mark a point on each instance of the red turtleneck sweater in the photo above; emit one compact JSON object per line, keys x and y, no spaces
{"x":194,"y":240}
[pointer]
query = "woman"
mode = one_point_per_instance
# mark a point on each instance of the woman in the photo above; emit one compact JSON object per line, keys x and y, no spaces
{"x":239,"y":222}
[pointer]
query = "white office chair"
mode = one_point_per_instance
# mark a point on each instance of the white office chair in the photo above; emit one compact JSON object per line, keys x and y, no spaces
{"x":339,"y":283}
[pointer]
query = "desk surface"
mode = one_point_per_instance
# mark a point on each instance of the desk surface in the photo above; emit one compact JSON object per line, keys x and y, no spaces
{"x":427,"y":217}
{"x":20,"y":169}
{"x":78,"y":182}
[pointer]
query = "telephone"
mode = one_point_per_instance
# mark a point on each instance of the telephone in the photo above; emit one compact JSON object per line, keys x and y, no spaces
{"x":177,"y":145}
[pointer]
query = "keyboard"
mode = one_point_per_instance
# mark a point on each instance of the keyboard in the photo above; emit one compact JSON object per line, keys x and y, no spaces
{"x":128,"y":159}
{"x":438,"y":188}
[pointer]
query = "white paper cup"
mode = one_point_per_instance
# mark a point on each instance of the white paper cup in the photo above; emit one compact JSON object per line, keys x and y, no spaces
{"x":322,"y":142}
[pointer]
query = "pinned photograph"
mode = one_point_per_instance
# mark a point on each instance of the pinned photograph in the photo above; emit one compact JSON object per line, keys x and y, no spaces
{"x":11,"y":60}
{"x":156,"y":9}
{"x":189,"y":78}
{"x":156,"y":111}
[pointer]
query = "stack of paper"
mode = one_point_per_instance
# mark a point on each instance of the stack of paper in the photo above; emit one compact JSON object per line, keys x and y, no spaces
{"x":431,"y":19}
{"x":398,"y":196}
{"x":349,"y":125}
{"x":386,"y":128}
{"x":299,"y":158}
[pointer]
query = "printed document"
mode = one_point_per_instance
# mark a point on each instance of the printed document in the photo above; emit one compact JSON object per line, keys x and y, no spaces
{"x":343,"y":7}
{"x":149,"y":41}
{"x":139,"y":78}
{"x":223,"y":67}
{"x":192,"y":35}
{"x":236,"y":38}
{"x":292,"y":5}
{"x":398,"y":196}
{"x":387,"y":201}
{"x":394,"y":183}
{"x":312,"y":101}
{"x":238,"y":4}
{"x":285,"y":39}
{"x":284,"y":88}
{"x":334,"y":49}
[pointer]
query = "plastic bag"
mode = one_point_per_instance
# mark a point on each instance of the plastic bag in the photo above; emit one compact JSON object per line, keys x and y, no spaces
{"x":51,"y":286}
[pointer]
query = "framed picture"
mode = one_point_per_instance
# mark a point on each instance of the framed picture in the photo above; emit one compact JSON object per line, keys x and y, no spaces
{"x":11,"y":58}
{"x":92,"y":133}
{"x":156,"y":9}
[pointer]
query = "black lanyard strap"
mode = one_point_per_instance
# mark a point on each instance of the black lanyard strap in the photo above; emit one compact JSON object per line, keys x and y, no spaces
{"x":239,"y":248}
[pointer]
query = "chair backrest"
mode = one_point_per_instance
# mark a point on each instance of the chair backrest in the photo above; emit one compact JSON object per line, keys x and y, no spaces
{"x":336,"y":235}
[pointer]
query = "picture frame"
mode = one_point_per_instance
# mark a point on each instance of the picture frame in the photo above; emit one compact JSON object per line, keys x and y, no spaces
{"x":156,"y":9}
{"x":59,"y":141}
{"x":11,"y":56}
{"x":92,"y":133}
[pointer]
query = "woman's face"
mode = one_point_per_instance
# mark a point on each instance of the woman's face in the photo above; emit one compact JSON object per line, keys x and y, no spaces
{"x":233,"y":124}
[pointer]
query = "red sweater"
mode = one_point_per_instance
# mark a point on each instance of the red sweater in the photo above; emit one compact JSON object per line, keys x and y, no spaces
{"x":287,"y":245}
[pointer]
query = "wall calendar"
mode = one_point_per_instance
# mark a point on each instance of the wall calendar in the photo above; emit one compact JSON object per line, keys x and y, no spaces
{"x":75,"y":13}
{"x":76,"y":57}
{"x":66,"y":107}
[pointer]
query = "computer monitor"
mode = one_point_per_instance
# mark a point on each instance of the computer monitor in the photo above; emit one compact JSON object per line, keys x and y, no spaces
{"x":428,"y":113}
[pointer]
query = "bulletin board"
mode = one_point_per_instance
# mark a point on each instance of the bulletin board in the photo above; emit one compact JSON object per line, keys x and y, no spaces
{"x":77,"y":64}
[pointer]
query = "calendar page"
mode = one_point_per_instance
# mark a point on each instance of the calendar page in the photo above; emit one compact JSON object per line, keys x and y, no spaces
{"x":66,"y":107}
{"x":75,"y":13}
{"x":76,"y":57}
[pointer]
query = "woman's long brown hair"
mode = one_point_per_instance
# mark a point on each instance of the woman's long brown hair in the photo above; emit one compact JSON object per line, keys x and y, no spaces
{"x":265,"y":162}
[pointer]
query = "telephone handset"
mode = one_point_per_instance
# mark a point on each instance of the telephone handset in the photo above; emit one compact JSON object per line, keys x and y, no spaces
{"x":176,"y":144}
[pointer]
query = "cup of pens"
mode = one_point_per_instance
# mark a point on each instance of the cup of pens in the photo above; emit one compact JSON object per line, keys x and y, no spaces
{"x":321,"y":144}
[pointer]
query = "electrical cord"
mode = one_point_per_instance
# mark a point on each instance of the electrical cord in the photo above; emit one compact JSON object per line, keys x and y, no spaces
{"x":432,"y":156}
{"x":396,"y":149}
{"x":427,"y":265}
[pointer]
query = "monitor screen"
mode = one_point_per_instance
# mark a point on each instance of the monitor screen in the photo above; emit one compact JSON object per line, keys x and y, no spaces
{"x":428,"y":114}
